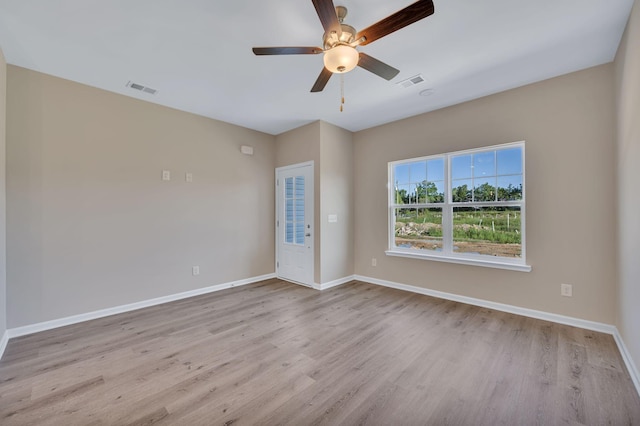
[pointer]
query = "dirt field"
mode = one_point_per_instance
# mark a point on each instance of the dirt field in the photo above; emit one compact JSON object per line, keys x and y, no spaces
{"x":480,"y":247}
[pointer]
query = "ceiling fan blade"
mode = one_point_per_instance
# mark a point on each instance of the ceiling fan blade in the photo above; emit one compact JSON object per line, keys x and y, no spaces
{"x":328,"y":16}
{"x":377,"y":67}
{"x":291,"y":50}
{"x":322,"y":80}
{"x":407,"y":16}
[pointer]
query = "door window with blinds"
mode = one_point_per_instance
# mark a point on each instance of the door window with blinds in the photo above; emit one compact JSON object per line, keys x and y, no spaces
{"x":294,"y":210}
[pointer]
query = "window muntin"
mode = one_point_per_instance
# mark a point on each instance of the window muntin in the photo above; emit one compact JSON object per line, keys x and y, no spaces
{"x":467,"y":205}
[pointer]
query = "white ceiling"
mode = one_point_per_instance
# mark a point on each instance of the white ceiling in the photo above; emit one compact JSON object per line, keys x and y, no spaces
{"x":197,"y":53}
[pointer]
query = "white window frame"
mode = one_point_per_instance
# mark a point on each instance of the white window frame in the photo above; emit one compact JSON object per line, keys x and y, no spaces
{"x":447,"y":254}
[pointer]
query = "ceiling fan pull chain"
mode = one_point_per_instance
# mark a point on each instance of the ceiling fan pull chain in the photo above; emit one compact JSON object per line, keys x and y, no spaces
{"x":341,"y":91}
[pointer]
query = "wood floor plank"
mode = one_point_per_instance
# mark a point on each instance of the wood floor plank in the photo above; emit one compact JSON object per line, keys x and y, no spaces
{"x":277,"y":353}
{"x":249,"y":392}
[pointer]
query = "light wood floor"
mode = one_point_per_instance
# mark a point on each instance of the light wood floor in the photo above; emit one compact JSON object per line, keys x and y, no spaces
{"x":276,"y":353}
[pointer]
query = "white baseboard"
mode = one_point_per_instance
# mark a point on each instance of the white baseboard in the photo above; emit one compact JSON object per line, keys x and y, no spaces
{"x":560,"y":319}
{"x":3,"y":343}
{"x":531,"y":313}
{"x":334,"y":283}
{"x":48,"y":325}
{"x":628,"y":361}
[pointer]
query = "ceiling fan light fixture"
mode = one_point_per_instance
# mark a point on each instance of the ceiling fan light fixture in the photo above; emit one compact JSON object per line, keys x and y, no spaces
{"x":340,"y":59}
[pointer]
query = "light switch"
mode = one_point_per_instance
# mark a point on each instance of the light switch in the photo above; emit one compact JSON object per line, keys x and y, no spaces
{"x":333,"y":218}
{"x":188,"y":177}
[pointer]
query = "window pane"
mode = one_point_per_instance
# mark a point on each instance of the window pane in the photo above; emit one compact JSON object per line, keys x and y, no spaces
{"x":491,"y":231}
{"x":399,"y":196}
{"x":289,"y":210}
{"x":430,"y":192}
{"x":461,"y":190}
{"x":289,"y":232}
{"x":299,"y":186}
{"x":435,"y":170}
{"x":485,"y":189}
{"x":401,"y":174}
{"x":461,"y":167}
{"x":510,"y":161}
{"x":289,"y":187}
{"x":509,"y":188}
{"x":404,"y":194}
{"x":419,"y":229}
{"x":436,"y":196}
{"x":418,"y":171}
{"x":484,"y":164}
{"x":413,"y":193}
{"x":421,"y":192}
{"x":411,"y":215}
{"x":300,"y":208}
{"x":299,"y":233}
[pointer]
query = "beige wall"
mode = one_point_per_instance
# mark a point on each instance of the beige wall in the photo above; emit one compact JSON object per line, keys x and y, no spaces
{"x":299,"y":146}
{"x":568,"y":125}
{"x":91,"y":225}
{"x":3,"y":205}
{"x":336,"y":186}
{"x":627,"y":66}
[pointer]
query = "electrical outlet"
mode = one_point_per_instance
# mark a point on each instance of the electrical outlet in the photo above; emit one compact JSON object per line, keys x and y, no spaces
{"x":166,"y":175}
{"x":188,"y":177}
{"x":195,"y":270}
{"x":566,"y":290}
{"x":374,"y":261}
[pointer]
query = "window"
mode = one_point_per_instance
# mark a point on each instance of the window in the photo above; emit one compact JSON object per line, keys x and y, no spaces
{"x":464,"y":207}
{"x":294,"y":210}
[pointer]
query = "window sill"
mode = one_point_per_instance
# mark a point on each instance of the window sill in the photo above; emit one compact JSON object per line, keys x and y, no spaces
{"x":462,"y":260}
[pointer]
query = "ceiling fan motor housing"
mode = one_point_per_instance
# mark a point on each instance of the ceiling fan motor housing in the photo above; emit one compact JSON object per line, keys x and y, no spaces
{"x":348,"y":36}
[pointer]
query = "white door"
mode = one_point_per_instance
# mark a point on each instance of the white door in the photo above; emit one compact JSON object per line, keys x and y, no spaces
{"x":294,"y":223}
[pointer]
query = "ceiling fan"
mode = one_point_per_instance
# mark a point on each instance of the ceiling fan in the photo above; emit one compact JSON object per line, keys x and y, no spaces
{"x":341,"y":40}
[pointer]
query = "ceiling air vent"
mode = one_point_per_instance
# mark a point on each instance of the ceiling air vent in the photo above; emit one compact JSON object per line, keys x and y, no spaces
{"x":141,"y":88}
{"x":412,"y":81}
